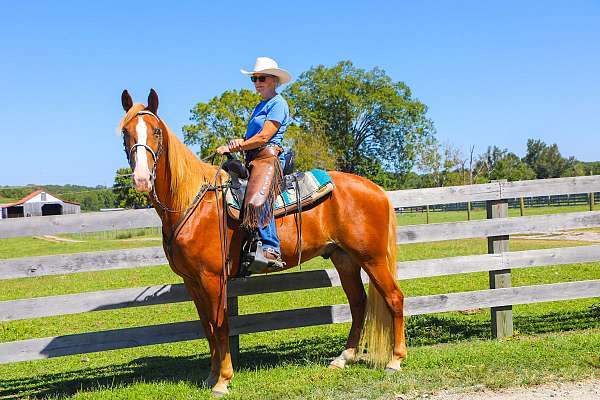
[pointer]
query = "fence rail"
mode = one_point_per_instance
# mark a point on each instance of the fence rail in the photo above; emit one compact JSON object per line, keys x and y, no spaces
{"x":495,"y":191}
{"x":33,"y":349}
{"x":162,"y":294}
{"x":128,"y":219}
{"x":496,"y":229}
{"x":130,"y":258}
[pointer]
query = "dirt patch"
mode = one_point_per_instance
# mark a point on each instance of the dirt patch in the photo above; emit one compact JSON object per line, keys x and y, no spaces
{"x":589,"y":390}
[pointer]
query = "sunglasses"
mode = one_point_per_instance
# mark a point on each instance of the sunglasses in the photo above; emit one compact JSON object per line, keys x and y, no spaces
{"x":261,"y":78}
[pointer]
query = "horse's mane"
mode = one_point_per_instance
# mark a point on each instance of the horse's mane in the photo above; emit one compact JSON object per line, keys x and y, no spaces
{"x":188,"y":173}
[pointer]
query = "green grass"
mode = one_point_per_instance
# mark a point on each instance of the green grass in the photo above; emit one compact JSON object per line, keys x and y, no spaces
{"x":557,"y":341}
{"x":479,"y":213}
{"x":294,"y":367}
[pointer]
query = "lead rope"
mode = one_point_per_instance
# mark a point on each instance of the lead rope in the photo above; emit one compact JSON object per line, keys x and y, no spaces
{"x":299,"y":221}
{"x":222,"y":218}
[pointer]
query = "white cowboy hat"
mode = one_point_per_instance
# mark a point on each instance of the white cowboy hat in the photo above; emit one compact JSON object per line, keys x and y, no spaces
{"x":268,"y":66}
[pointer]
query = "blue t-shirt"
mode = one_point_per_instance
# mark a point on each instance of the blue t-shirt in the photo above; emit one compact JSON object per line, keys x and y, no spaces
{"x":274,"y":109}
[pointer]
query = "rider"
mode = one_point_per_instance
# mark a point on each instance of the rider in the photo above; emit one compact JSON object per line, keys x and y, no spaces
{"x":263,"y":151}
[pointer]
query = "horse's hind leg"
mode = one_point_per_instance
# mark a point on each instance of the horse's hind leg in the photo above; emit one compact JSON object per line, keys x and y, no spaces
{"x":385,"y":284}
{"x":349,"y":272}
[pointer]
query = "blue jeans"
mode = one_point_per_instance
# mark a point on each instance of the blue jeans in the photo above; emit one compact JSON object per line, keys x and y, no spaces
{"x":268,"y":234}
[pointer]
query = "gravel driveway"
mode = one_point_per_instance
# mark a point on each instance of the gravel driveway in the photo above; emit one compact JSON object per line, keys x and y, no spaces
{"x":589,"y":390}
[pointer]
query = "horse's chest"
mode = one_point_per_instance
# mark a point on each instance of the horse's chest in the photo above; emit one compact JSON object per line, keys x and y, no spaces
{"x":188,"y":258}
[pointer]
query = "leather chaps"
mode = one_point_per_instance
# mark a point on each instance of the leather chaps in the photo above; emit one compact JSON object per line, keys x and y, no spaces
{"x":264,"y":185}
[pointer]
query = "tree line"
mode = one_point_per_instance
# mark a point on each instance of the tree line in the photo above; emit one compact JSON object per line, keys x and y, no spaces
{"x":348,"y":119}
{"x":445,"y":165}
{"x":344,"y":118}
{"x":361,"y":121}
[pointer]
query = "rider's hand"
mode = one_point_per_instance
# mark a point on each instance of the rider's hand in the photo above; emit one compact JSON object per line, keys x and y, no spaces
{"x":223,"y":149}
{"x":236,"y":145}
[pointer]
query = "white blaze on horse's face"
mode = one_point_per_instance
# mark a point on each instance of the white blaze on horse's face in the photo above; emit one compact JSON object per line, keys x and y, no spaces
{"x":141,"y":174}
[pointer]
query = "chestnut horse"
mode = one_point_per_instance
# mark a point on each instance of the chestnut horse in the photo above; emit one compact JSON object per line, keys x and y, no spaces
{"x":355,"y":226}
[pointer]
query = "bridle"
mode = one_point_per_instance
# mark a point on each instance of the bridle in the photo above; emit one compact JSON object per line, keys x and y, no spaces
{"x":155,"y":155}
{"x":158,"y":133}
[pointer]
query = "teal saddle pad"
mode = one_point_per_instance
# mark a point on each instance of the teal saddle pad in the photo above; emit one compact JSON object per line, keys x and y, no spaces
{"x":312,"y":185}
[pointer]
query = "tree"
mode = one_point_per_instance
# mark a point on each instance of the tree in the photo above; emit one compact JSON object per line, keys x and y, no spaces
{"x":439,"y":162}
{"x":311,"y":148}
{"x":225,"y":117}
{"x":497,"y":163}
{"x":126,"y":195}
{"x":92,"y":199}
{"x":371,"y":123}
{"x":546,"y":161}
{"x":221,"y":119}
{"x":511,"y":168}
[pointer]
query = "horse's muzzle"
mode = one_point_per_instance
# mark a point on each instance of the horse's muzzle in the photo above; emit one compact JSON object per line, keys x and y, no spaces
{"x":142,"y":183}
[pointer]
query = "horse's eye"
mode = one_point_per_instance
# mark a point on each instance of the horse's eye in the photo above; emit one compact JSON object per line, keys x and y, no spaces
{"x":157,"y":132}
{"x":124,"y":132}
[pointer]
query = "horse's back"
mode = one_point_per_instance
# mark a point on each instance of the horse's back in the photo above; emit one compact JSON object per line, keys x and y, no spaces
{"x":355,"y":193}
{"x":354,"y":214}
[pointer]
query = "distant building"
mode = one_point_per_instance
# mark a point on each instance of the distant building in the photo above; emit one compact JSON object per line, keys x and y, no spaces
{"x":38,"y":203}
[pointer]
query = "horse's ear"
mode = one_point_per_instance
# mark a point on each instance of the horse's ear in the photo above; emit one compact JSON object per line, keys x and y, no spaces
{"x":126,"y":100}
{"x":153,"y":102}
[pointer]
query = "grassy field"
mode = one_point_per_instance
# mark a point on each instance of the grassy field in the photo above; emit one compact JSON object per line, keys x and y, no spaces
{"x":553,"y":342}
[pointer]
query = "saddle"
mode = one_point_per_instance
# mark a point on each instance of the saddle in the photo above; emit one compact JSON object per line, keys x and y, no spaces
{"x":298,"y":191}
{"x":292,"y":194}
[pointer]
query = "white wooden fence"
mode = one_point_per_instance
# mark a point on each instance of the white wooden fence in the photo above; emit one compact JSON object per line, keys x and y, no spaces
{"x":499,"y":262}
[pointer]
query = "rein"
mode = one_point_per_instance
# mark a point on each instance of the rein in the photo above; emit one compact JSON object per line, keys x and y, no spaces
{"x":216,"y":186}
{"x":155,"y":157}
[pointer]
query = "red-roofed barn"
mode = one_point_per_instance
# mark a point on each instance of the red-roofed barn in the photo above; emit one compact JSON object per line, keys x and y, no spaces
{"x":38,"y":203}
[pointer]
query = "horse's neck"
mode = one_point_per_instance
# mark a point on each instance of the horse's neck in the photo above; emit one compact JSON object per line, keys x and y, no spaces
{"x":165,"y":191}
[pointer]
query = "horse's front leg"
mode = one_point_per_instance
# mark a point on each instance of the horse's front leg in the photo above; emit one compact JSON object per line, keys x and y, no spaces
{"x":215,"y":298}
{"x":196,"y":294}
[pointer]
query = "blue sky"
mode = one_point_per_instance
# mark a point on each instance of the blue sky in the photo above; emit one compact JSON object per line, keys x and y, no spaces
{"x":490,"y":73}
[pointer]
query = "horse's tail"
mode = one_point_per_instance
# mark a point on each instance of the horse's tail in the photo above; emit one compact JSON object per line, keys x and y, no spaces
{"x":378,"y":330}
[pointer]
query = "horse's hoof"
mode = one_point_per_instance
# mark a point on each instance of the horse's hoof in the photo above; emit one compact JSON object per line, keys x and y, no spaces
{"x":391,"y":371}
{"x":220,"y":390}
{"x":337,"y":363}
{"x":219,"y":393}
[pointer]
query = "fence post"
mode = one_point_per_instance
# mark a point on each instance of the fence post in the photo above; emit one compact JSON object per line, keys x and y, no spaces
{"x":234,"y":340}
{"x":592,"y":201}
{"x":468,"y":210}
{"x":502,"y":322}
{"x":427,"y":212}
{"x":522,"y":205}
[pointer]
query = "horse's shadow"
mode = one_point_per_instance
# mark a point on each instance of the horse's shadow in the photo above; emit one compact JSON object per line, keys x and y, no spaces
{"x":421,"y":330}
{"x":191,"y":369}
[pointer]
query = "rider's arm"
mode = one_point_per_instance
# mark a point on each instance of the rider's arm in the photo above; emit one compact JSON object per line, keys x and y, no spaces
{"x":269,"y":129}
